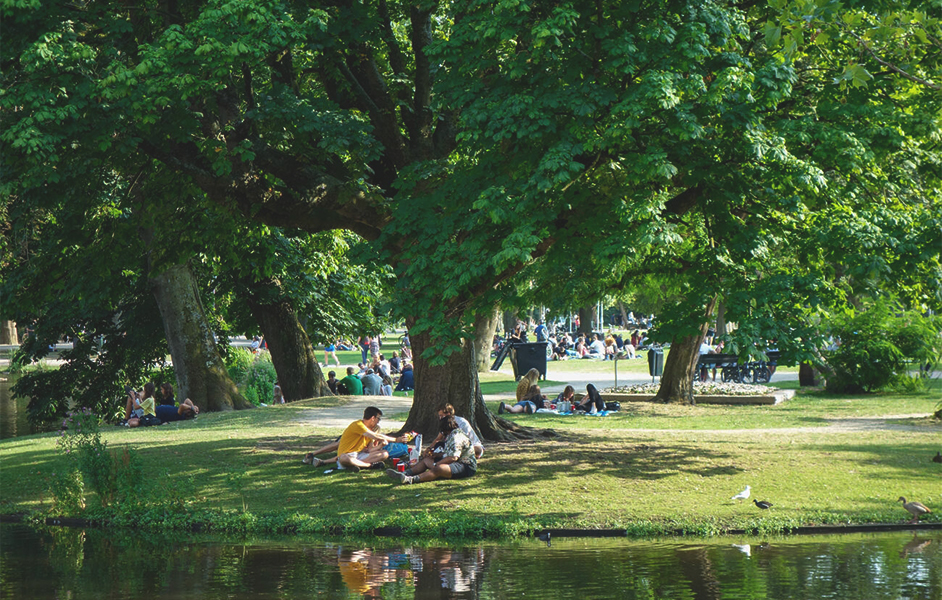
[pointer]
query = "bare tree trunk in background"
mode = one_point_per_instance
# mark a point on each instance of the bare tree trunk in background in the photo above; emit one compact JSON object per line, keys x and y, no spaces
{"x":8,"y":333}
{"x":201,"y":373}
{"x":508,"y":322}
{"x":299,"y":373}
{"x":485,"y":325}
{"x":807,"y":375}
{"x":721,"y":319}
{"x":454,"y":382}
{"x":680,"y":367}
{"x":624,"y":314}
{"x":586,"y":316}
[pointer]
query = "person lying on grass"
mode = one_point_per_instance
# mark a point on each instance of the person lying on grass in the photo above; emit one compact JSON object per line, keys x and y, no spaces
{"x":394,"y":449}
{"x":533,"y":401}
{"x":354,"y":451}
{"x":457,"y":462}
{"x":168,"y":410}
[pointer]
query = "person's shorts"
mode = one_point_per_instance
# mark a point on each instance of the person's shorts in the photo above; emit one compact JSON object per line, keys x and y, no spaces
{"x":361,"y":456}
{"x":460,"y":470}
{"x":137,"y":413}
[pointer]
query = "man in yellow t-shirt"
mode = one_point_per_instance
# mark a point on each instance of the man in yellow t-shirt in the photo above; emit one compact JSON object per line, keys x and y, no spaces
{"x":355,"y":451}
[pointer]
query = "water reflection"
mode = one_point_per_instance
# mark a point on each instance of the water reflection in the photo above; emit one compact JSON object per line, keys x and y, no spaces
{"x":13,"y":421}
{"x":74,"y":563}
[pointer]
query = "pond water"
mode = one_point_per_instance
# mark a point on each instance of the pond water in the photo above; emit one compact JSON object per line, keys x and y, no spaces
{"x":77,"y":563}
{"x":12,"y":413}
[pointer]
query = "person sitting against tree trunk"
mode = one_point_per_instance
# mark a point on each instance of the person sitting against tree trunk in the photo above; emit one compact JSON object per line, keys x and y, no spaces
{"x":169,"y":411}
{"x":354,"y":452}
{"x":591,"y":402}
{"x":457,"y":461}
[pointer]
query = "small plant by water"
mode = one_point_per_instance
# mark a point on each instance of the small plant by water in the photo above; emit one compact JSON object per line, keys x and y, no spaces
{"x":111,"y":473}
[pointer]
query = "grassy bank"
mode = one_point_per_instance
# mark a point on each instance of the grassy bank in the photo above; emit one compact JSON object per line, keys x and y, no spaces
{"x":651,"y":469}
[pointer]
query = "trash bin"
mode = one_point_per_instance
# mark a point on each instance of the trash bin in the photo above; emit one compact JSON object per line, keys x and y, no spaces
{"x":530,"y":356}
{"x":655,"y":362}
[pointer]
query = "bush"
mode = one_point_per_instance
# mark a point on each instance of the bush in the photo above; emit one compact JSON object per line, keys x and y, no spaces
{"x":238,"y":363}
{"x":876,"y":347}
{"x":255,"y":376}
{"x":113,"y":474}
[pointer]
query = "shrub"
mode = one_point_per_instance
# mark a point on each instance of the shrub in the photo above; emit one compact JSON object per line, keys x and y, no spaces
{"x":113,"y":474}
{"x":876,"y":347}
{"x":238,"y":363}
{"x":261,"y":378}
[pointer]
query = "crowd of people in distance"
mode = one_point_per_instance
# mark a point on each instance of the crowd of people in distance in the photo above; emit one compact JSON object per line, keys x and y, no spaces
{"x":564,"y":346}
{"x":144,"y":408}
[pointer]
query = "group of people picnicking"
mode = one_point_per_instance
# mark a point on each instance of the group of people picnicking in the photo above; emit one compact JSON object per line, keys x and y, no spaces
{"x":531,"y":399}
{"x":145,"y":407}
{"x":453,"y":454}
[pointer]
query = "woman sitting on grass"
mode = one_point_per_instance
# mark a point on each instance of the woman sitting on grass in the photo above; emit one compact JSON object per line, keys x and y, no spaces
{"x":533,"y":401}
{"x":524,"y":386}
{"x":139,"y":406}
{"x":457,"y":462}
{"x":169,"y":411}
{"x":591,"y":402}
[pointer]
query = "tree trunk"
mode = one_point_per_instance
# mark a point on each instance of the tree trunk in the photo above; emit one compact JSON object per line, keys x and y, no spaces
{"x":8,"y":333}
{"x":299,"y":373}
{"x":721,"y":319}
{"x":586,"y":315}
{"x":624,"y":315}
{"x":807,"y":375}
{"x":484,"y":327}
{"x":201,"y":373}
{"x":680,"y":367}
{"x":454,"y":382}
{"x":508,"y":321}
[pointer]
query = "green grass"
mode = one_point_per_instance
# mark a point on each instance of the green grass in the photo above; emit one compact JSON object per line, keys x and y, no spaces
{"x":807,"y":409}
{"x":655,"y":468}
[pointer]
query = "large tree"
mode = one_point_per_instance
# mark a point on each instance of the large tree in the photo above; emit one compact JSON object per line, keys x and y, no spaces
{"x":468,"y":140}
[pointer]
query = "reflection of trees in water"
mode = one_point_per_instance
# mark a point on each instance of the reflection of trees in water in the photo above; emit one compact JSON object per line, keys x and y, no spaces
{"x":66,"y":562}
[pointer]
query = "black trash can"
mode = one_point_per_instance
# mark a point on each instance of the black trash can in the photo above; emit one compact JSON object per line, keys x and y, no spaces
{"x":655,"y":362}
{"x":530,"y":356}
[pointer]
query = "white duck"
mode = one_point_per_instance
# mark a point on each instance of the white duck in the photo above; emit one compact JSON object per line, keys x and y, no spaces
{"x":743,"y":495}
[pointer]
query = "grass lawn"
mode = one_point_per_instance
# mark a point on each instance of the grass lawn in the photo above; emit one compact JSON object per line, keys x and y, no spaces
{"x":652,"y":469}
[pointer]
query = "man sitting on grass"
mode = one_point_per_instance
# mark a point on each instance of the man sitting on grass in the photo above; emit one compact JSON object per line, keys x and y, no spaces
{"x":354,"y":452}
{"x":351,"y":383}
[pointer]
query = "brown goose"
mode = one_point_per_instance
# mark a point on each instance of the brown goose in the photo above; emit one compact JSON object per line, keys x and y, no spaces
{"x":916,"y":509}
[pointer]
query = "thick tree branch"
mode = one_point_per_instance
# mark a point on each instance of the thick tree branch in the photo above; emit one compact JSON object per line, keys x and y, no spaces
{"x":419,"y":123}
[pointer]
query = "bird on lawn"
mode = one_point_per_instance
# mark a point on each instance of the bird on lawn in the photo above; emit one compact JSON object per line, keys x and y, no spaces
{"x":916,"y":509}
{"x":937,"y":458}
{"x":743,"y":495}
{"x":763,"y":504}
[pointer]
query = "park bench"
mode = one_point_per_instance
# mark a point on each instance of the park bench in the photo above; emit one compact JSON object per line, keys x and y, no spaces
{"x":732,"y":370}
